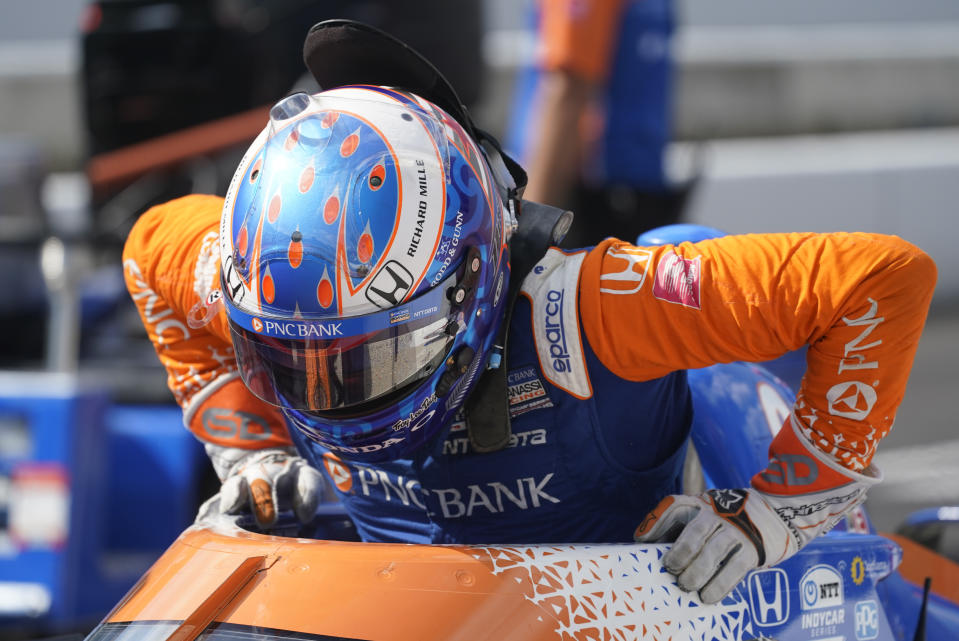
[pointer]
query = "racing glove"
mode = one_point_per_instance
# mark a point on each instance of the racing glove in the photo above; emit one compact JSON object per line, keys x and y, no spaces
{"x":264,"y":482}
{"x":720,"y":535}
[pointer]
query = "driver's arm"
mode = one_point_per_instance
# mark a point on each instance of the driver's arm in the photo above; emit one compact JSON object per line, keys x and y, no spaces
{"x":859,"y":301}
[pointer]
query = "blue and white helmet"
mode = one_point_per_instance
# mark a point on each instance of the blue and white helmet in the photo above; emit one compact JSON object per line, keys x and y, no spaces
{"x":364,"y":264}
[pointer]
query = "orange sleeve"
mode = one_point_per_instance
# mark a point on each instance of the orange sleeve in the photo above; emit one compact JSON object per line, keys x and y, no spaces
{"x":171,"y":268}
{"x":858,"y":300}
{"x":579,"y":35}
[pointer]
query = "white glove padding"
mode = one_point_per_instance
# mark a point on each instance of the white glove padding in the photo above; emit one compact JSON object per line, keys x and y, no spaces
{"x":721,"y":535}
{"x":265,"y":482}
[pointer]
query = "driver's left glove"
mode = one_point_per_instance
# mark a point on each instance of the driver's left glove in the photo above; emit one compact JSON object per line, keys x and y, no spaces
{"x":263,"y":483}
{"x":720,"y":535}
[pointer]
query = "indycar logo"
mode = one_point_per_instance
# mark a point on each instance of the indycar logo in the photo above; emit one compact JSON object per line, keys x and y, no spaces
{"x":851,"y":399}
{"x":631,"y":276}
{"x":769,"y":597}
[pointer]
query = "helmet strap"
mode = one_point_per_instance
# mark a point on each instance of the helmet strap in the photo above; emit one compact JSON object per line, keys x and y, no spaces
{"x":487,"y":407}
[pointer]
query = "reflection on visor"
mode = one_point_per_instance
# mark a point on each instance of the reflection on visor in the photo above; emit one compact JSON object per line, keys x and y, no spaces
{"x":324,"y":374}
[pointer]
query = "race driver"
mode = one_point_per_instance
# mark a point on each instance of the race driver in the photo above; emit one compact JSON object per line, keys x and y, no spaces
{"x":347,"y":303}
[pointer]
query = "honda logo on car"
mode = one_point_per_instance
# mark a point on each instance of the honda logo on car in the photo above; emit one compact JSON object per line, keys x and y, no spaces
{"x":769,"y":597}
{"x":555,"y":332}
{"x":821,"y":589}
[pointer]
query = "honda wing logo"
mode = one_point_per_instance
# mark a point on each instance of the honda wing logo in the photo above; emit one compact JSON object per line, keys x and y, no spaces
{"x":769,"y":597}
{"x":631,"y":277}
{"x":390,"y":286}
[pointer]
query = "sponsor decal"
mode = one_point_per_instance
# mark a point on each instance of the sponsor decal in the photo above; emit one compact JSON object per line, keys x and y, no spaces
{"x":405,"y":423}
{"x":221,"y":422}
{"x":855,"y":399}
{"x":556,"y":332}
{"x":448,"y":249}
{"x":298,"y":329}
{"x":821,"y":597}
{"x":677,"y":280}
{"x":399,"y":315}
{"x":390,"y":286}
{"x":412,"y":423}
{"x":791,"y":512}
{"x":727,"y":501}
{"x":156,"y":312}
{"x":428,"y":311}
{"x":851,"y":399}
{"x":867,"y":620}
{"x":769,"y":597}
{"x":853,"y":358}
{"x":339,"y":472}
{"x":495,"y":497}
{"x":421,"y":208}
{"x":631,"y":265}
{"x":384,"y":486}
{"x":461,"y":444}
{"x":858,"y":570}
{"x":791,"y":470}
{"x":233,"y":281}
{"x":526,"y":392}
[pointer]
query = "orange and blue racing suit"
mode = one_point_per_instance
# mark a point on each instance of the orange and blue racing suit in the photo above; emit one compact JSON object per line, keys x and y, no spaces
{"x":599,"y":343}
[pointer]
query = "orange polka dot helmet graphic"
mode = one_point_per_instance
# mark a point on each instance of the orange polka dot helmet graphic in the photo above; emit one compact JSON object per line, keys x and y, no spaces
{"x":350,"y":220}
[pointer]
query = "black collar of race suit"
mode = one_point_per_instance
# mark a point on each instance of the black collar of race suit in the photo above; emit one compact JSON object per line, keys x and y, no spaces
{"x":346,"y":52}
{"x":487,"y":408}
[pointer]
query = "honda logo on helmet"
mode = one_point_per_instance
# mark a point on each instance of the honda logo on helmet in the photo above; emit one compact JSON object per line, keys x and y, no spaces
{"x":390,"y":286}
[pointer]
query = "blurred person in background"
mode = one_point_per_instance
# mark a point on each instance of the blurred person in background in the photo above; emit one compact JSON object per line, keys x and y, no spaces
{"x":593,"y":115}
{"x":353,"y":306}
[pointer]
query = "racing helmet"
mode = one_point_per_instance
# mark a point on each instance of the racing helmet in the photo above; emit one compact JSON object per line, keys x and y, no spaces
{"x":364,"y":267}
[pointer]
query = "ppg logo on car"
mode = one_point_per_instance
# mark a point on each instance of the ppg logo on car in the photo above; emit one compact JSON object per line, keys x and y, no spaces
{"x":769,"y":597}
{"x":867,"y":620}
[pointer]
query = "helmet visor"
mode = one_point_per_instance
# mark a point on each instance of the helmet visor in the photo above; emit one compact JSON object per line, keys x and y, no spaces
{"x":347,"y":361}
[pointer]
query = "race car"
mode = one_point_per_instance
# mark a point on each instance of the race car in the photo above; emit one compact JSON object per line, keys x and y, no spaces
{"x":222,"y":580}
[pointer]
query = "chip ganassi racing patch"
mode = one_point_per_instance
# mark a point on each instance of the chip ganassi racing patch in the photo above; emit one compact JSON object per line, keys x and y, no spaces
{"x":526,"y":392}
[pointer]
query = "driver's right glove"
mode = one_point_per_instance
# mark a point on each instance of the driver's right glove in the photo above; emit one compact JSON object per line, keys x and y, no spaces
{"x":264,"y":482}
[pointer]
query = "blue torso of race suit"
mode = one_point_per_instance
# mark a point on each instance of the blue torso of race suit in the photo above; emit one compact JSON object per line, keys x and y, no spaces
{"x":590,"y":454}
